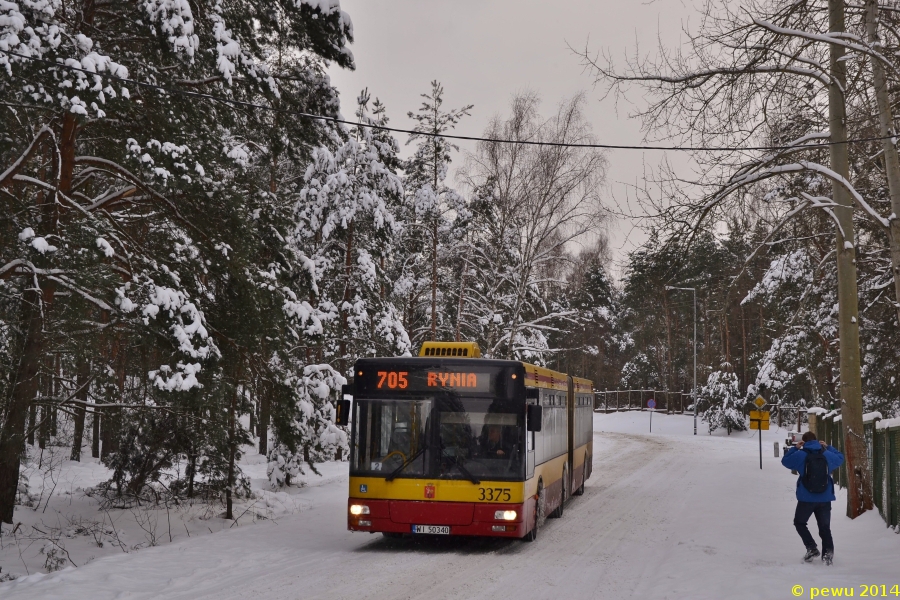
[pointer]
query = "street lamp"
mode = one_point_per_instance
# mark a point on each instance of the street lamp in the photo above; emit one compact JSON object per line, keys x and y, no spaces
{"x":690,"y":289}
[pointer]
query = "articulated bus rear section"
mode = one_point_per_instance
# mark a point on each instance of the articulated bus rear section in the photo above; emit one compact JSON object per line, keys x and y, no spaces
{"x":448,"y":444}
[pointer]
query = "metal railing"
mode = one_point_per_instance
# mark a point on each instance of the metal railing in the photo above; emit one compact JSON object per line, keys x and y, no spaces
{"x":624,"y":400}
{"x":883,"y":449}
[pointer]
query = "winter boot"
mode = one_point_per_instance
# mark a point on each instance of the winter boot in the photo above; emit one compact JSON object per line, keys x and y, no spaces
{"x":828,"y":557}
{"x":811,"y":553}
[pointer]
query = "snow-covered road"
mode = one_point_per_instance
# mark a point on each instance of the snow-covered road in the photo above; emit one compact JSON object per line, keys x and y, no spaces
{"x":664,"y":516}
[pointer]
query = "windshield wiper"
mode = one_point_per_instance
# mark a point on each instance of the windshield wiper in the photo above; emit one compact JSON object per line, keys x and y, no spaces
{"x":405,"y":464}
{"x":465,"y":472}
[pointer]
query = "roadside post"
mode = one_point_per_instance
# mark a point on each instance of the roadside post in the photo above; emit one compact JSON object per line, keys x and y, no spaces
{"x":759,"y":419}
{"x":651,"y":404}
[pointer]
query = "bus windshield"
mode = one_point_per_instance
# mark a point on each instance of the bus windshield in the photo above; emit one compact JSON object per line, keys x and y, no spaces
{"x":445,"y":437}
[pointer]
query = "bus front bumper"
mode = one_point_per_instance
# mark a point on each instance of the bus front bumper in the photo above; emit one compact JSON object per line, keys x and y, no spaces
{"x":462,"y":518}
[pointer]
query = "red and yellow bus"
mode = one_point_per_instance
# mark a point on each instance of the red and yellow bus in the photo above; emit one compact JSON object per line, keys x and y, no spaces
{"x":450,"y":443}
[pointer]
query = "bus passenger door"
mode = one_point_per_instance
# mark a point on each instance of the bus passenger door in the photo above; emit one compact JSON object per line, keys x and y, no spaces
{"x":530,"y":440}
{"x":570,"y":422}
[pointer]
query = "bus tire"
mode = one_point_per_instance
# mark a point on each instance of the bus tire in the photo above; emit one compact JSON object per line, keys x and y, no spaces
{"x":584,"y":472}
{"x":538,"y":513}
{"x":558,"y":513}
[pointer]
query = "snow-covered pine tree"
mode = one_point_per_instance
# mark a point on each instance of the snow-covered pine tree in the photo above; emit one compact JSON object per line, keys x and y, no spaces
{"x":798,"y":368}
{"x":346,"y":230}
{"x":342,"y":245}
{"x":590,"y":345}
{"x":724,"y":401}
{"x":306,"y":434}
{"x":128,"y":198}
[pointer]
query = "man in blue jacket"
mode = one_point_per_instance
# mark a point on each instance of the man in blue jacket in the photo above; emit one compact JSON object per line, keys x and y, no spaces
{"x":808,"y":502}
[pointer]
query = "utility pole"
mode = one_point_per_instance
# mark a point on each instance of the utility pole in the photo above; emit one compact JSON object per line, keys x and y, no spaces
{"x":859,"y":492}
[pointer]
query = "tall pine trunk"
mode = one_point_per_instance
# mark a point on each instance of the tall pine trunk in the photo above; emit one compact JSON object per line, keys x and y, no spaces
{"x":25,"y":388}
{"x":232,"y":451}
{"x":434,"y":230}
{"x":263,"y":425}
{"x":743,"y":349}
{"x":191,"y":470}
{"x":105,"y":432}
{"x":434,"y":251}
{"x":95,"y":433}
{"x":859,"y":496}
{"x":32,"y":423}
{"x":669,"y":375}
{"x":348,"y":269}
{"x":81,"y":382}
{"x":36,"y":304}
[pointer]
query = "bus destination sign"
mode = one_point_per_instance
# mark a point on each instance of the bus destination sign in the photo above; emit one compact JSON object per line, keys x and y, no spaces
{"x":428,"y":380}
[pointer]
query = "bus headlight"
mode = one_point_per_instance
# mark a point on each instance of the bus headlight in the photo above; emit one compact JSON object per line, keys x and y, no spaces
{"x":505,"y":515}
{"x":359,"y":509}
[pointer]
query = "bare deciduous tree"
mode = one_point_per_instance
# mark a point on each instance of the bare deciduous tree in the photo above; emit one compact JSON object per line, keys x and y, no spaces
{"x":532,"y":202}
{"x":747,"y":75}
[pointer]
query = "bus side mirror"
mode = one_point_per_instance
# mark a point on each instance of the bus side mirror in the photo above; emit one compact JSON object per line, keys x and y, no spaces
{"x":348,"y":389}
{"x":532,"y":393}
{"x":342,"y":414}
{"x":534,"y":414}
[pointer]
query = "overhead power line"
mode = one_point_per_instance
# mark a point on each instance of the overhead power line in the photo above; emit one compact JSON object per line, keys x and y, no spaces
{"x":469,"y":138}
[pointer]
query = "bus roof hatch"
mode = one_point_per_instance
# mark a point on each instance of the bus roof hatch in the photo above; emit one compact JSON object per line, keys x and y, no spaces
{"x":458,"y":349}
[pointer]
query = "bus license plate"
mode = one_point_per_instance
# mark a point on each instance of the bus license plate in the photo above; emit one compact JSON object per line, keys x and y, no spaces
{"x":432,"y":529}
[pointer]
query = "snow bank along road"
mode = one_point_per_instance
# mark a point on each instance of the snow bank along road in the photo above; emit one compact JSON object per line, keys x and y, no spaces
{"x":663,"y":516}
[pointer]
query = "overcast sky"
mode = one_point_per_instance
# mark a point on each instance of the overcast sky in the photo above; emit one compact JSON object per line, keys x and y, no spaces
{"x":483,"y":51}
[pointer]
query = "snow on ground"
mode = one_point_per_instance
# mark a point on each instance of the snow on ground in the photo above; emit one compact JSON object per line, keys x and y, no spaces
{"x":66,"y":525}
{"x":741,"y":519}
{"x":665,"y":515}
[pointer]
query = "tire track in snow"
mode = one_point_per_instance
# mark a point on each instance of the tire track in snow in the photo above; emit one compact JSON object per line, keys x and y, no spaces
{"x":593,"y":550}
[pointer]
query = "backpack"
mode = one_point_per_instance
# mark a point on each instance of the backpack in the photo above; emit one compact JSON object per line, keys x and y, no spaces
{"x":815,"y":478}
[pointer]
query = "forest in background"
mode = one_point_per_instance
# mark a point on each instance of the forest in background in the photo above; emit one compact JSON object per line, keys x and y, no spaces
{"x":183,"y":273}
{"x":788,"y":225}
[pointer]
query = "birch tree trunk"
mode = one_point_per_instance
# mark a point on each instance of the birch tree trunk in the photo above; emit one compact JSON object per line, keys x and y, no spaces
{"x":859,"y":496}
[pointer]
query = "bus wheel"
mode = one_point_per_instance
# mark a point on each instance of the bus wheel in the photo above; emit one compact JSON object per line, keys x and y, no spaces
{"x":538,"y":514}
{"x":556,"y":514}
{"x":584,"y":473}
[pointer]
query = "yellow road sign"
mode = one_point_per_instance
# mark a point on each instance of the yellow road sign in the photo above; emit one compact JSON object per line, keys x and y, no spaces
{"x":760,"y":401}
{"x":759,"y":415}
{"x":764,"y":425}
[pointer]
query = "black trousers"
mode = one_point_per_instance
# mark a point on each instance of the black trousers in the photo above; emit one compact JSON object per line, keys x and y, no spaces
{"x":822,"y":510}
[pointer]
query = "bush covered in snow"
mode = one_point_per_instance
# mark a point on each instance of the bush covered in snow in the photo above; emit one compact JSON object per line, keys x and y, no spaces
{"x":724,"y":400}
